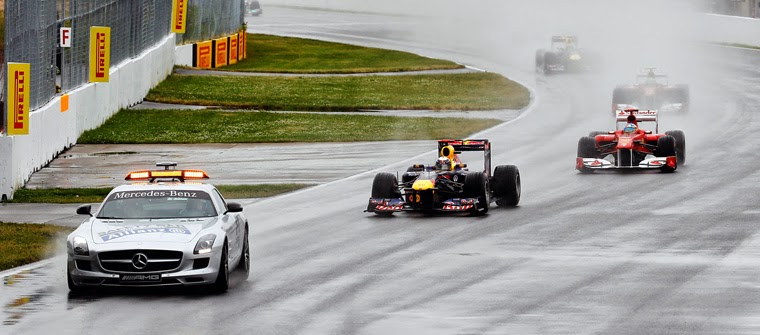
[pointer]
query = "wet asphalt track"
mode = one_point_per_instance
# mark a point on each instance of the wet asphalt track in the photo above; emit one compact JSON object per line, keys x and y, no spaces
{"x":607,"y":253}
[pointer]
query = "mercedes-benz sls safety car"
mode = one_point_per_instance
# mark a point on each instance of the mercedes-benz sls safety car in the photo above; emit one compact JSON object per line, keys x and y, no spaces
{"x":564,"y":55}
{"x":652,"y":91}
{"x":165,"y":228}
{"x":448,"y":185}
{"x":630,"y":147}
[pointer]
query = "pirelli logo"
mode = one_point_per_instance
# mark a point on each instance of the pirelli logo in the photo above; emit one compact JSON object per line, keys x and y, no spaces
{"x":179,"y":15}
{"x":100,"y":53}
{"x":18,"y":94}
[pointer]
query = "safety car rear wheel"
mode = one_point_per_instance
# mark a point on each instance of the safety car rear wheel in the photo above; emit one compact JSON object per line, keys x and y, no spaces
{"x":506,"y":185}
{"x":244,"y":266}
{"x":476,"y":186}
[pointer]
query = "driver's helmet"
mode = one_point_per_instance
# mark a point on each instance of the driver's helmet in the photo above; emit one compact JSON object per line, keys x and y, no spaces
{"x":630,"y":128}
{"x":443,"y":164}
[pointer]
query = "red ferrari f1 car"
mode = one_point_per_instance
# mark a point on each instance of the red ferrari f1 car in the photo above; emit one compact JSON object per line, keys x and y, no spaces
{"x":631,"y":147}
{"x":448,"y":185}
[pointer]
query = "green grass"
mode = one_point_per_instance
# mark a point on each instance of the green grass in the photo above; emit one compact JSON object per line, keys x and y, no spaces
{"x":27,"y":243}
{"x":210,"y":126}
{"x":268,"y":53}
{"x":91,"y":195}
{"x":467,"y":91}
{"x":60,"y":195}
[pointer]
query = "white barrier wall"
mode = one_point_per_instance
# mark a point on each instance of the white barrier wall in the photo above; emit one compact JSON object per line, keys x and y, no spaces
{"x":52,"y":131}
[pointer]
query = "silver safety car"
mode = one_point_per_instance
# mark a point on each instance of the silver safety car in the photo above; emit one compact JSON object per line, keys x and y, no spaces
{"x":165,"y":228}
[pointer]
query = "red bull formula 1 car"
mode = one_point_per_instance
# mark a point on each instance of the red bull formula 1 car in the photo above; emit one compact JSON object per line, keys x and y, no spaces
{"x":631,"y":147}
{"x":564,"y":55}
{"x":448,"y":185}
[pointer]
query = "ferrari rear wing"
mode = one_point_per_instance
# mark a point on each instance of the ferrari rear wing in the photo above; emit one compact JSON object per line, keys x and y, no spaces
{"x":641,"y":116}
{"x":468,"y":145}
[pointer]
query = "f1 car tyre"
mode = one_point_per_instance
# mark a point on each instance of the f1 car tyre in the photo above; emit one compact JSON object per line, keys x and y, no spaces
{"x":680,"y":138}
{"x":666,"y":146}
{"x":222,"y":282}
{"x":506,"y":185}
{"x":596,"y":132}
{"x":72,"y":287}
{"x":245,"y":261}
{"x":540,"y":61}
{"x":385,"y":186}
{"x":587,"y":147}
{"x":413,"y":168}
{"x":550,"y":59}
{"x":476,"y":186}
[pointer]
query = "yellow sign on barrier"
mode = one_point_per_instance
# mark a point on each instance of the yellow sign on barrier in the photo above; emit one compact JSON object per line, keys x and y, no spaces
{"x":179,"y":16}
{"x":203,"y":55}
{"x":100,"y":53}
{"x":19,"y":75}
{"x":221,"y":49}
{"x":233,"y":49}
{"x":241,"y":45}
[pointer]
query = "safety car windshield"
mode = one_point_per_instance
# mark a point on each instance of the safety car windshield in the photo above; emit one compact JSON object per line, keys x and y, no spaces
{"x":157,"y":204}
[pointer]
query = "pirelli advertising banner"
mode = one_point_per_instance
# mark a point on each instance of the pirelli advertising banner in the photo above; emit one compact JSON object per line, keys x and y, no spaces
{"x":179,"y":16}
{"x":100,"y":54}
{"x":233,"y":49}
{"x":221,"y":50}
{"x":203,"y":55}
{"x":18,"y":98}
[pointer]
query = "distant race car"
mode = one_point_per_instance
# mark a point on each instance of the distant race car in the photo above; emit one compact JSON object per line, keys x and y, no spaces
{"x":164,"y":229}
{"x":651,"y":92}
{"x":564,"y":55}
{"x":448,"y":185}
{"x":630,"y":147}
{"x":253,"y":7}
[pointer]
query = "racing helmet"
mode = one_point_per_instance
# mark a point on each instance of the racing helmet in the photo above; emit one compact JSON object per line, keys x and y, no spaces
{"x":443,"y":164}
{"x":630,"y":128}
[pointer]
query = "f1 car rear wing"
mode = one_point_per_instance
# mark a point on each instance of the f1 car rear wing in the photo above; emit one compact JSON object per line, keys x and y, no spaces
{"x":565,"y":38}
{"x":648,"y":74}
{"x":467,"y":145}
{"x":624,"y":117}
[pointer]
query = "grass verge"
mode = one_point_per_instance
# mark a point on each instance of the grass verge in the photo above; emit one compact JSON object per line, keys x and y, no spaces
{"x":92,"y":195}
{"x":466,"y":91}
{"x":27,"y":243}
{"x":210,"y":126}
{"x":269,"y":53}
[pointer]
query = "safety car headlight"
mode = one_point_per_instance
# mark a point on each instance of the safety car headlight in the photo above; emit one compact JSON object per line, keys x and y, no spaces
{"x":79,"y":246}
{"x":204,"y":244}
{"x":575,"y":57}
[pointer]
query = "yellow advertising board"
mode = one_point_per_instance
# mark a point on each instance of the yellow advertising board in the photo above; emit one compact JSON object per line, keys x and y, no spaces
{"x":19,"y":75}
{"x":233,"y":49}
{"x":179,"y":16}
{"x":221,"y":49}
{"x":203,"y":55}
{"x":241,"y":45}
{"x":100,"y":54}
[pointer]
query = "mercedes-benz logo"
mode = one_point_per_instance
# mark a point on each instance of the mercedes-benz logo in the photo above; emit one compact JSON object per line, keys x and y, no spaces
{"x":139,"y":261}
